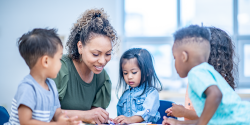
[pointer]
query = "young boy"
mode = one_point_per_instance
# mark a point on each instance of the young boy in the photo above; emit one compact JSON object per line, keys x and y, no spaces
{"x":215,"y":102}
{"x":36,"y":100}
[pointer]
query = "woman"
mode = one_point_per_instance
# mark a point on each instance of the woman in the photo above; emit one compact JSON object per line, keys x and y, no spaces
{"x":83,"y":85}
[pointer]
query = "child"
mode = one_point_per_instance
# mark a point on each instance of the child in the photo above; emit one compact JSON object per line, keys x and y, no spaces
{"x":215,"y":102}
{"x":221,"y":58}
{"x":140,"y":102}
{"x":36,"y":100}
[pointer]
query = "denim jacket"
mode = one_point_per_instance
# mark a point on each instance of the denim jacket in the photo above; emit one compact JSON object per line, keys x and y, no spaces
{"x":146,"y":105}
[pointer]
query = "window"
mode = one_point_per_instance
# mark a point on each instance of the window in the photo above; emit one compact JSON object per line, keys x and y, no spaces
{"x":150,"y":17}
{"x":162,"y":56}
{"x":244,"y":17}
{"x":247,"y":60}
{"x":209,"y":12}
{"x":150,"y":24}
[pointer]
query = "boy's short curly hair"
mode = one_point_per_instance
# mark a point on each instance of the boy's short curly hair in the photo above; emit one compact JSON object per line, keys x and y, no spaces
{"x":38,"y":42}
{"x":92,"y":22}
{"x":192,"y":31}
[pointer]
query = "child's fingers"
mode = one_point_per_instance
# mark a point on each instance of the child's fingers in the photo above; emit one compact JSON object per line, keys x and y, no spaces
{"x":170,"y":114}
{"x":168,"y":110}
{"x":164,"y":118}
{"x":164,"y":122}
{"x":120,"y":120}
{"x":72,"y":119}
{"x":76,"y":123}
{"x":116,"y":119}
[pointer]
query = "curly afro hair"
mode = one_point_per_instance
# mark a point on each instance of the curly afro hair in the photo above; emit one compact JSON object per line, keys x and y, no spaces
{"x":91,"y":23}
{"x":222,"y":55}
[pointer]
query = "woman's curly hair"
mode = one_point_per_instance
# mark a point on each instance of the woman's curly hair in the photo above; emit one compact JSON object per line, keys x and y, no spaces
{"x":222,"y":55}
{"x":91,"y":22}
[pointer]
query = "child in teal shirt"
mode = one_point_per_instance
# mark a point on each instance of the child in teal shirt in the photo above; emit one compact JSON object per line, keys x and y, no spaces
{"x":215,"y":102}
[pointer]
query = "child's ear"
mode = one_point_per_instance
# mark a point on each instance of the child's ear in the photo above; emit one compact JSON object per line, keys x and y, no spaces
{"x":184,"y":56}
{"x":45,"y":61}
{"x":79,"y":46}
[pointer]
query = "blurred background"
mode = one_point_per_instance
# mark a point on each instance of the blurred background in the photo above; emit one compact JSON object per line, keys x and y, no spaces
{"x":148,"y":24}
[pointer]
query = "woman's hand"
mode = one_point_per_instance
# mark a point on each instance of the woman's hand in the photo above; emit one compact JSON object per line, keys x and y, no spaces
{"x":97,"y":116}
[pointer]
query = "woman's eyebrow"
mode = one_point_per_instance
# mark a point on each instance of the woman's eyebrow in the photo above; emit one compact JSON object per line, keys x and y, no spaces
{"x":101,"y":51}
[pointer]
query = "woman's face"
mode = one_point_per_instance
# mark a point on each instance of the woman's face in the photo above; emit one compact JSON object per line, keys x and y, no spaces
{"x":96,"y":53}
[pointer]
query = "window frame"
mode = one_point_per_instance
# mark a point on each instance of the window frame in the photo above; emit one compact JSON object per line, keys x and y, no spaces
{"x":239,"y":40}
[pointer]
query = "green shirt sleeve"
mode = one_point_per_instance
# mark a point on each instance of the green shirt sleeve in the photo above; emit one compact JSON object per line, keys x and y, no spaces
{"x":62,"y":80}
{"x":103,"y":95}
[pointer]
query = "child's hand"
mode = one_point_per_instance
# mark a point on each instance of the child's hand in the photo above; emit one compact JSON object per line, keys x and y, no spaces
{"x":169,"y":112}
{"x":122,"y":119}
{"x":64,"y":120}
{"x":169,"y":121}
{"x":111,"y":121}
{"x":178,"y":110}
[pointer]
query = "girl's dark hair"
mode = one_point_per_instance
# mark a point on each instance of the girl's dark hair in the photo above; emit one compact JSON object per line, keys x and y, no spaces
{"x":38,"y":42}
{"x":145,"y":63}
{"x":222,"y":55}
{"x":90,"y":24}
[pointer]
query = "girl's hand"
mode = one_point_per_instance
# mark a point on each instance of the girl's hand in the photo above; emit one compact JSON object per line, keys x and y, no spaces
{"x":178,"y":110}
{"x":122,"y":119}
{"x":169,"y":121}
{"x":111,"y":121}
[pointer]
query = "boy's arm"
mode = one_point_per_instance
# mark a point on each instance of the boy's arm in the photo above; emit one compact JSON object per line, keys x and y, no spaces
{"x":213,"y":100}
{"x":25,"y":117}
{"x":190,"y":114}
{"x":57,"y":114}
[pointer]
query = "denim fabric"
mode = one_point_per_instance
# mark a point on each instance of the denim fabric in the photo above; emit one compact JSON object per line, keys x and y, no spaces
{"x":133,"y":103}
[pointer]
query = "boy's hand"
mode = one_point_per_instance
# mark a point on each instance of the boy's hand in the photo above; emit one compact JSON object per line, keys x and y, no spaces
{"x":169,"y":121}
{"x":169,"y":112}
{"x":122,"y":119}
{"x":178,"y":110}
{"x":64,"y":120}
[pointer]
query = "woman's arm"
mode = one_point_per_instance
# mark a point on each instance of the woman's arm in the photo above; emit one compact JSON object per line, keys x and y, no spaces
{"x":93,"y":116}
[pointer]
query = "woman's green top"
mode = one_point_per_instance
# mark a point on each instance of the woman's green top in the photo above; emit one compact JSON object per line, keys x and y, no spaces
{"x":75,"y":94}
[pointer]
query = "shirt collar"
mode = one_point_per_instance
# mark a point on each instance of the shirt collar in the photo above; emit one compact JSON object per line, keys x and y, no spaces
{"x":138,"y":88}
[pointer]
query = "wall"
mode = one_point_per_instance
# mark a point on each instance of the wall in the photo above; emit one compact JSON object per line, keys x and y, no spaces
{"x":18,"y":17}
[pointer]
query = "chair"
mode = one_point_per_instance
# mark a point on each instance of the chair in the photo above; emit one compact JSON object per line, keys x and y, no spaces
{"x":164,"y":105}
{"x":4,"y":115}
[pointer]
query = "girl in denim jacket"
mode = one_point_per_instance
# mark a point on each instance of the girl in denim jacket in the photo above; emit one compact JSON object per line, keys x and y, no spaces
{"x":140,"y":99}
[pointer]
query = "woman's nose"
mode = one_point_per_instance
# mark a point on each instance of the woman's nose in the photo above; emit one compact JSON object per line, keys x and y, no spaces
{"x":102,"y":60}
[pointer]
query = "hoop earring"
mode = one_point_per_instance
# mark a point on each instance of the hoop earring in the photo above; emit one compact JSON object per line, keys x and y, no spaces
{"x":80,"y":57}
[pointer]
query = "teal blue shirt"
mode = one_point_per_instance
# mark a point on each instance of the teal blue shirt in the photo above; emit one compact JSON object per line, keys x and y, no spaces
{"x":231,"y":109}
